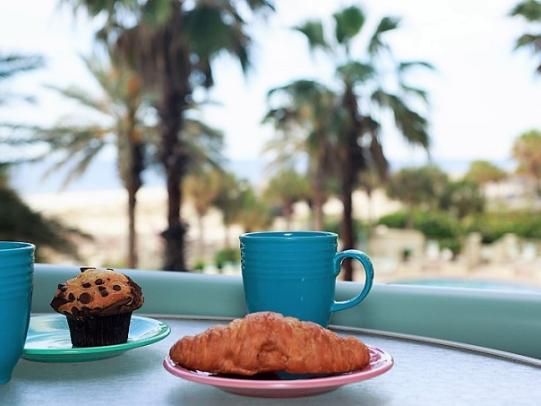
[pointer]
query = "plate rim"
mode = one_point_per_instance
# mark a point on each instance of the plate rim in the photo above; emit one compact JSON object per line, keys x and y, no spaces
{"x":386,"y":360}
{"x":163,"y":331}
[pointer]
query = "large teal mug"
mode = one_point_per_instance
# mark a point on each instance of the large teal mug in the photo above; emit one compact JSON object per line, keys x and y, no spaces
{"x":294,"y":273}
{"x":16,"y":271}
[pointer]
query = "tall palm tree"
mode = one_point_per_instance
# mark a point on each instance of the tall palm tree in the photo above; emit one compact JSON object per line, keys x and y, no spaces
{"x":202,"y":186}
{"x":530,"y":10}
{"x":366,"y":96}
{"x":229,"y":201}
{"x":305,"y":124}
{"x":254,"y":213}
{"x":527,"y":152}
{"x":284,"y":189}
{"x":119,"y":114}
{"x":173,"y":45}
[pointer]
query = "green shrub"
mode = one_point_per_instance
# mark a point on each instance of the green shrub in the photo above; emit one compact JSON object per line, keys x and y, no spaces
{"x":199,"y":265}
{"x":397,"y":219}
{"x":434,"y":224}
{"x":492,"y":226}
{"x":437,"y":225}
{"x":223,"y":256}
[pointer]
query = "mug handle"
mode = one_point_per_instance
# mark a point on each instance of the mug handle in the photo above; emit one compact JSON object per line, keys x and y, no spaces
{"x":368,"y":270}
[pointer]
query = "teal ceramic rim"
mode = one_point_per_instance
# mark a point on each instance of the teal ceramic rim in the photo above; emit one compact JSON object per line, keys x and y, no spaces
{"x":163,"y":331}
{"x":15,"y":246}
{"x":288,"y":236}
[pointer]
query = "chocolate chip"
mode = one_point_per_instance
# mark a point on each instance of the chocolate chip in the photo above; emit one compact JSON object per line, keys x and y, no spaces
{"x":99,"y":282}
{"x":87,"y":285}
{"x":116,"y":287}
{"x":62,"y":287}
{"x":58,"y":301}
{"x":85,"y":268}
{"x":71,"y":297}
{"x":85,"y":298}
{"x":104,"y":293}
{"x":101,"y":288}
{"x":74,"y":311}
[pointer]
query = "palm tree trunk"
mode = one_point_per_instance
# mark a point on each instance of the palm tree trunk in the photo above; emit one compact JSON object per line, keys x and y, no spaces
{"x":132,"y":235}
{"x":174,"y":162}
{"x":201,"y":235}
{"x":348,"y":235}
{"x":287,"y":211}
{"x":227,"y":243}
{"x":352,"y":161}
{"x":174,"y":72}
{"x":317,"y":186}
{"x":370,"y":205}
{"x":136,"y":166}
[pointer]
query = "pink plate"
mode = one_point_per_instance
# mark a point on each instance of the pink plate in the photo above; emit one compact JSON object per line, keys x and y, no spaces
{"x":380,"y":362}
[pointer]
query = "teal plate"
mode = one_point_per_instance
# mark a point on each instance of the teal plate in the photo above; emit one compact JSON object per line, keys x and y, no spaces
{"x":48,"y":340}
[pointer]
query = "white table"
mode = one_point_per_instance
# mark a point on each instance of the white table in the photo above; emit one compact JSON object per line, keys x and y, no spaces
{"x":424,"y":374}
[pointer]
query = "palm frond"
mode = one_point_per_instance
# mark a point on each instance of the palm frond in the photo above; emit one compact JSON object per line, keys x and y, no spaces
{"x":416,"y":91}
{"x":411,"y":124}
{"x":529,"y":9}
{"x":356,"y":72}
{"x":13,"y":64}
{"x":203,"y":144}
{"x":376,"y":43}
{"x":81,"y":166}
{"x":156,"y":12}
{"x":377,"y":156}
{"x":82,"y":97}
{"x":529,"y":40}
{"x":313,"y":31}
{"x":226,"y":34}
{"x":348,"y":23}
{"x":407,"y":65}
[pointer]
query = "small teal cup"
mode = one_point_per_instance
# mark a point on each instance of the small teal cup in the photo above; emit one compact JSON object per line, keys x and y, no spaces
{"x":16,"y":271}
{"x":294,"y":273}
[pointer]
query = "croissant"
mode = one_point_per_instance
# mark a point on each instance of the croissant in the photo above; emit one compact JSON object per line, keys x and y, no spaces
{"x":269,"y":342}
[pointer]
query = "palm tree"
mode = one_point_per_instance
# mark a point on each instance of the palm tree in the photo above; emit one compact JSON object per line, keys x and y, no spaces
{"x":365,"y":97}
{"x":173,"y":45}
{"x":418,"y":187}
{"x":254,"y":213}
{"x":229,"y":201}
{"x":527,"y":152}
{"x":305,"y":125}
{"x":202,"y":186}
{"x":19,"y":222}
{"x":530,"y":10}
{"x":119,"y":114}
{"x":482,"y":172}
{"x":284,"y":189}
{"x":14,"y":64}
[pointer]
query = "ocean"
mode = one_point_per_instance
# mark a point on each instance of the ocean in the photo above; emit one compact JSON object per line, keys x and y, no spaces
{"x":102,"y":174}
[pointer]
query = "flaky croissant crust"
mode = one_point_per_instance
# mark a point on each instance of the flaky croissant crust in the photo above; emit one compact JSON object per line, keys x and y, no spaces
{"x":268,"y":342}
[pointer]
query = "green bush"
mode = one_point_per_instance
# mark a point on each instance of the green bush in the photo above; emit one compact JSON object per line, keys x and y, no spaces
{"x":492,"y":226}
{"x":397,"y":219}
{"x":226,"y":255}
{"x":448,"y":230}
{"x":199,"y":265}
{"x":437,"y":225}
{"x":434,"y":224}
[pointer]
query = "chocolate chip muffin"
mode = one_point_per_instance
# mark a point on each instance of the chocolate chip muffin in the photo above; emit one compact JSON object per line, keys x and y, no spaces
{"x":98,"y":304}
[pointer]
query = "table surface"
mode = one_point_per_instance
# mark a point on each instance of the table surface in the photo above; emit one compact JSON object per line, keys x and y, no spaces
{"x":424,"y":374}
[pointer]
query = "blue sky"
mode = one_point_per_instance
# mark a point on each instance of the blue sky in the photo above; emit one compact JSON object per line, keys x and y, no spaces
{"x":483,"y":94}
